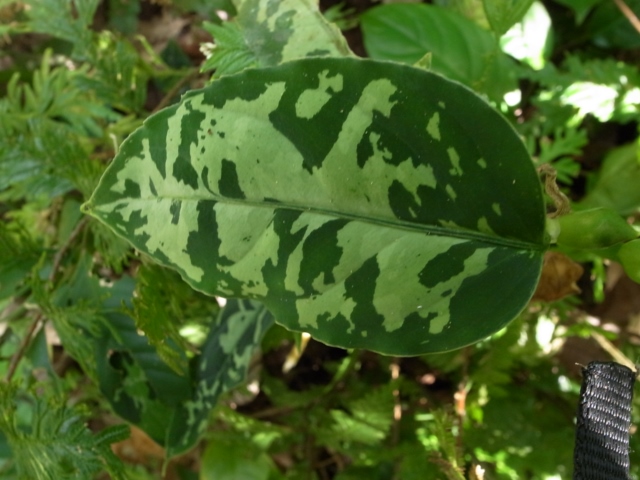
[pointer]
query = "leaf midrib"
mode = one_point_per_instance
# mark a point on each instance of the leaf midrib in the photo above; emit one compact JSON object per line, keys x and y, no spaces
{"x":397,"y":224}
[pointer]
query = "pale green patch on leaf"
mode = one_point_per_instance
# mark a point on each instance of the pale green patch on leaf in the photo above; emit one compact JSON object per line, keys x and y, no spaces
{"x":433,"y":127}
{"x":349,"y":220}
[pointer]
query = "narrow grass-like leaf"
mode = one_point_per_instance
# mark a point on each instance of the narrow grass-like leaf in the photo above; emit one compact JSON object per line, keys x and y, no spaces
{"x":372,"y":204}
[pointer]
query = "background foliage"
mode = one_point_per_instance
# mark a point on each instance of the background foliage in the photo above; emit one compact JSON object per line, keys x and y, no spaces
{"x":94,"y":333}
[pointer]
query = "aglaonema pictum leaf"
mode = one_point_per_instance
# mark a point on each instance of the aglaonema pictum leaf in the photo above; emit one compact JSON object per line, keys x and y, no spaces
{"x":371,"y":204}
{"x":266,"y":33}
{"x":226,"y":355}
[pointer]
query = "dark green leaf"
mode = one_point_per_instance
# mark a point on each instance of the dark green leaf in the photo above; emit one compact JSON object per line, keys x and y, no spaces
{"x":65,"y":19}
{"x":609,"y":27}
{"x":503,"y":14}
{"x":460,"y":49}
{"x":616,"y":185}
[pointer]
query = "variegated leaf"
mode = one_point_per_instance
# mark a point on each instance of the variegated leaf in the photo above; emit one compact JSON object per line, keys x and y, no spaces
{"x":369,"y":203}
{"x":222,"y":366}
{"x":281,"y":30}
{"x":266,"y":33}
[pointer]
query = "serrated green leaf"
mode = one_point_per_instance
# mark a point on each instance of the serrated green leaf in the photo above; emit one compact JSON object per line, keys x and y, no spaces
{"x":56,"y":444}
{"x":230,"y":54}
{"x":223,"y":365}
{"x":461,"y":50}
{"x":64,"y":19}
{"x":156,"y":319}
{"x":368,"y":203}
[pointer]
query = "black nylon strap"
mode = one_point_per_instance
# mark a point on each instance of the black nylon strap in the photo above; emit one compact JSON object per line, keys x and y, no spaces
{"x":604,"y":417}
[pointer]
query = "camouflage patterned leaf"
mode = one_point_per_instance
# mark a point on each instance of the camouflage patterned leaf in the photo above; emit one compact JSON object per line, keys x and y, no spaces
{"x":277,"y":31}
{"x":171,"y":408}
{"x":372,"y":204}
{"x":223,"y":364}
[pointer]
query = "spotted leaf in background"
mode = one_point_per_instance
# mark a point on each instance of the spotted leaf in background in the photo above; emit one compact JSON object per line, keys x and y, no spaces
{"x":266,"y":33}
{"x":371,"y":204}
{"x":226,"y":354}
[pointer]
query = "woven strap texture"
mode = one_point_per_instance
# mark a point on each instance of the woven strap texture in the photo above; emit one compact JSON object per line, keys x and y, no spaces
{"x":604,"y":418}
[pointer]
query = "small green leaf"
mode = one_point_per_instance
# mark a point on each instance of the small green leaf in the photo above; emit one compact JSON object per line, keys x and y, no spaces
{"x":230,"y":54}
{"x":629,"y":256}
{"x":155,"y":317}
{"x":18,"y":255}
{"x":367,"y":420}
{"x":593,"y":229}
{"x":616,"y":185}
{"x":371,"y":204}
{"x":461,"y":50}
{"x":234,"y":459}
{"x":503,"y":14}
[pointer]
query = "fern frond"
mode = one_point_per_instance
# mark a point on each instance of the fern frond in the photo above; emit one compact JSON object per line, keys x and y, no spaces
{"x":154,"y":315}
{"x":230,"y":53}
{"x":54,"y":95}
{"x":450,"y":457}
{"x":18,"y":254}
{"x":65,"y":19}
{"x":56,"y":444}
{"x":76,"y":311}
{"x":118,"y":76}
